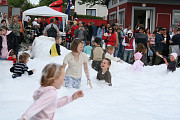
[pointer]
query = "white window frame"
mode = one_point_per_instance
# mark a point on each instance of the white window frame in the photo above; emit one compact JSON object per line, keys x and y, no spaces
{"x":112,"y":13}
{"x":122,"y":10}
{"x":174,"y":11}
{"x":91,"y":9}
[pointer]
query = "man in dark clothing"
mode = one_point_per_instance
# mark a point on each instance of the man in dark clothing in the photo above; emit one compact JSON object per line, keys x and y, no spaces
{"x":81,"y":33}
{"x":159,"y":45}
{"x":90,"y":31}
{"x":143,"y":38}
{"x":94,"y":33}
{"x":176,"y":45}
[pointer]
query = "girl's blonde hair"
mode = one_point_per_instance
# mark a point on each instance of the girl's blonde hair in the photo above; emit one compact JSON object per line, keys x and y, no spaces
{"x":49,"y":73}
{"x":111,"y":48}
{"x":23,"y":57}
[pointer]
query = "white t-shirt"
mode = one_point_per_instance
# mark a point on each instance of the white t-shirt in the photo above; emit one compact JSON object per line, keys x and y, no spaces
{"x":34,"y":23}
{"x":75,"y":67}
{"x":27,"y":18}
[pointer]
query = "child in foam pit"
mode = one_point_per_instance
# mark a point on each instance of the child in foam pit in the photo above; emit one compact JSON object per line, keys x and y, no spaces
{"x":171,"y":63}
{"x":138,"y":64}
{"x":45,"y":98}
{"x":104,"y":73}
{"x":55,"y":49}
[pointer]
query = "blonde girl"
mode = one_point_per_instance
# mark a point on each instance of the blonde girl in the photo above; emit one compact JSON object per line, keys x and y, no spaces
{"x":45,"y":98}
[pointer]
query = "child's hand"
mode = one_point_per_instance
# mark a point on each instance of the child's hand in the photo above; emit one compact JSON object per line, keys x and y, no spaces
{"x":33,"y":70}
{"x":14,"y":56}
{"x":89,"y":83}
{"x":77,"y":95}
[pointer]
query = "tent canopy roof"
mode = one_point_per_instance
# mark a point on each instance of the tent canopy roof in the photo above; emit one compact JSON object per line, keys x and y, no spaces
{"x":44,"y":11}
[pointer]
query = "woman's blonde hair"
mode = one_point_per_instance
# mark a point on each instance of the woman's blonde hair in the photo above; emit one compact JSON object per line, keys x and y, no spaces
{"x":23,"y":57}
{"x":49,"y":73}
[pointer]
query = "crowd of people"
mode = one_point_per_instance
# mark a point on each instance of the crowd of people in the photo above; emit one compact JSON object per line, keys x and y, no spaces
{"x":102,"y":45}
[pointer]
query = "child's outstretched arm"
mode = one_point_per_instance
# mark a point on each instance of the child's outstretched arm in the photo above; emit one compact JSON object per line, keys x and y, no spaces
{"x":67,"y":99}
{"x":38,"y":105}
{"x":165,"y":60}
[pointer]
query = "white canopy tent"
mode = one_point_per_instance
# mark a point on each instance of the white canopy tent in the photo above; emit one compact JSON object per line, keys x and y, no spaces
{"x":46,"y":11}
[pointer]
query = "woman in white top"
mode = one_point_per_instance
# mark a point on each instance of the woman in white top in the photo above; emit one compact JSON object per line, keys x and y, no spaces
{"x":75,"y":60}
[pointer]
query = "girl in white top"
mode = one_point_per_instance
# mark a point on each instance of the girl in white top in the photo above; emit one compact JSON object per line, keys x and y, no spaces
{"x":75,"y":60}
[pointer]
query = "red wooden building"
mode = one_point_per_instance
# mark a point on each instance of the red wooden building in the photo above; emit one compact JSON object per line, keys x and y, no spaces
{"x":150,"y":13}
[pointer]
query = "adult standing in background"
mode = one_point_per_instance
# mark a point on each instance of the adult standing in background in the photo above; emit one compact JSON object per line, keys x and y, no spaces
{"x":52,"y":30}
{"x":143,"y":38}
{"x":4,"y":17}
{"x":94,"y":33}
{"x":81,"y":33}
{"x":16,"y":28}
{"x":120,"y":37}
{"x":127,"y":29}
{"x":101,"y":31}
{"x":26,"y":20}
{"x":74,"y":27}
{"x":90,"y":31}
{"x":159,"y":45}
{"x":166,"y":37}
{"x":8,"y":41}
{"x":68,"y":26}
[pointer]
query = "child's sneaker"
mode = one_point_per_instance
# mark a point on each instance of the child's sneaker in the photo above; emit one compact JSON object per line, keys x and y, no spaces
{"x":15,"y":75}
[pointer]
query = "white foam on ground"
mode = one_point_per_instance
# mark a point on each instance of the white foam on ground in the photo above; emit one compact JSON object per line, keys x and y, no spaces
{"x":150,"y":95}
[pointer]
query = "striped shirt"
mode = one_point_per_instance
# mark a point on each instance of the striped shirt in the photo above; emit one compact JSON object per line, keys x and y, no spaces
{"x":20,"y":68}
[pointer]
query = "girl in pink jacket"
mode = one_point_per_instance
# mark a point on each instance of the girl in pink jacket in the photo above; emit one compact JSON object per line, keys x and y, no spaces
{"x":138,"y":64}
{"x":45,"y":98}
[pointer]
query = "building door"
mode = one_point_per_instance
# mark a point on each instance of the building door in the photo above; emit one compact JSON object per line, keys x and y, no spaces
{"x":144,"y":16}
{"x":164,"y":20}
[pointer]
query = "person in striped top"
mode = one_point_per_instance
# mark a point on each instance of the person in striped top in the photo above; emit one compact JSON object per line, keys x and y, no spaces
{"x":20,"y":68}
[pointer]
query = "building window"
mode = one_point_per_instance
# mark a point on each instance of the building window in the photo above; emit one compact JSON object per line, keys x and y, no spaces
{"x":91,"y":12}
{"x":112,"y":16}
{"x":176,"y":16}
{"x":122,"y":18}
{"x":114,"y":2}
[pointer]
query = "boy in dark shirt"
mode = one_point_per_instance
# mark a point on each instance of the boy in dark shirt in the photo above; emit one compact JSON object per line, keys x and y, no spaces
{"x":171,"y":66}
{"x":104,"y":73}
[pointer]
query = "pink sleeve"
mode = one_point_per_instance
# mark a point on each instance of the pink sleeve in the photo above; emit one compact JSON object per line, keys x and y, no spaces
{"x":38,"y":105}
{"x":63,"y":101}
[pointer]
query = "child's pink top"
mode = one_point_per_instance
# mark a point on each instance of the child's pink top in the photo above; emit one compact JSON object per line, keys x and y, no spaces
{"x":4,"y":50}
{"x":137,"y":66}
{"x":45,"y":104}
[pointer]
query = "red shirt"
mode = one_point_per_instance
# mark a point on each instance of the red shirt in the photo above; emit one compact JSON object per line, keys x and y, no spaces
{"x":112,"y":39}
{"x":73,"y":29}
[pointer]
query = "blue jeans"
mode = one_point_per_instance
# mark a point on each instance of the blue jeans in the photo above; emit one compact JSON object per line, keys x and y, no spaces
{"x":2,"y":58}
{"x":68,"y":45}
{"x":72,"y":82}
{"x":127,"y":55}
{"x":120,"y":50}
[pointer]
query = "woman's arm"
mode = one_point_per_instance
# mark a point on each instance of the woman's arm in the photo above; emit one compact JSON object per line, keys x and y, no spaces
{"x":64,"y":65}
{"x":87,"y":73}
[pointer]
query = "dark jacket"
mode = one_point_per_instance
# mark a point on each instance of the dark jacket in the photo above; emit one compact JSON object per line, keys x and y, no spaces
{"x":76,"y":32}
{"x":12,"y":43}
{"x":176,"y":39}
{"x":94,"y":30}
{"x":106,"y":76}
{"x":158,"y":42}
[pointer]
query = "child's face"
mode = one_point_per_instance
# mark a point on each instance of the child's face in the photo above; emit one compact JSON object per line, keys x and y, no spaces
{"x":26,"y":61}
{"x":58,"y":41}
{"x":172,"y":58}
{"x":58,"y":82}
{"x":80,"y":47}
{"x":104,"y":64}
{"x":110,"y":51}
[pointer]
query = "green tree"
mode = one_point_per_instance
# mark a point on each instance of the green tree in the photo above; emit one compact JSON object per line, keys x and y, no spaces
{"x":23,"y":4}
{"x":46,"y":2}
